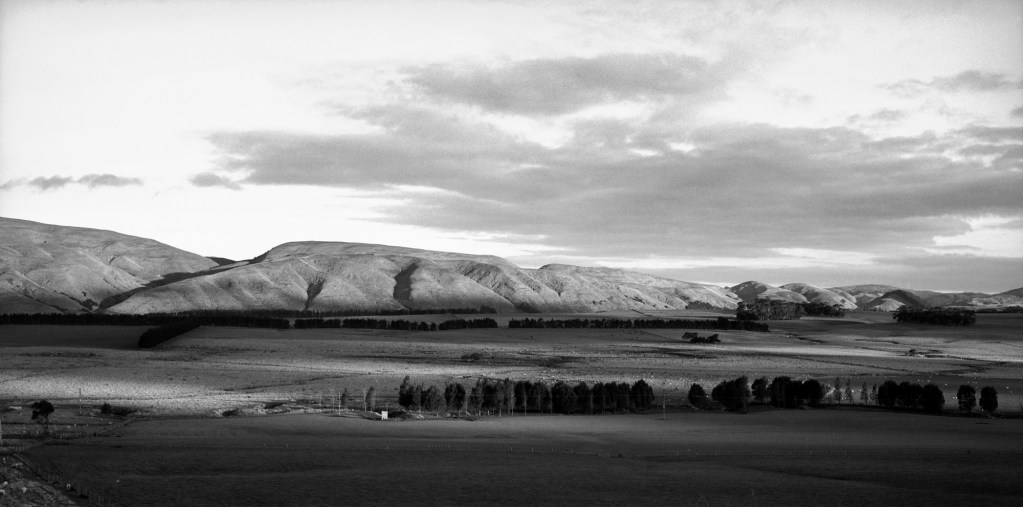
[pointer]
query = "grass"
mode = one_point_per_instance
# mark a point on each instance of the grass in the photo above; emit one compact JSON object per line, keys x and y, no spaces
{"x":821,"y":457}
{"x":777,"y":457}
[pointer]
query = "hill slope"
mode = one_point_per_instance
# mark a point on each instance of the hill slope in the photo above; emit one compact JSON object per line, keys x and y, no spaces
{"x":321,"y":276}
{"x":818,"y":295}
{"x":48,"y":268}
{"x":752,"y":290}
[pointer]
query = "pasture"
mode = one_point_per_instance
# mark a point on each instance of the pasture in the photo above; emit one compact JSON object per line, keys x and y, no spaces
{"x":182,"y":450}
{"x":822,"y":457}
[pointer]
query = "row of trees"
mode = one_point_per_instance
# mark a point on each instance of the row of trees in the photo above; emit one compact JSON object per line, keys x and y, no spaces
{"x":771,"y":309}
{"x":506,"y":396}
{"x":967,"y":398}
{"x":206,"y":318}
{"x":822,"y":309}
{"x":939,"y":316}
{"x":235,"y":318}
{"x":911,"y":396}
{"x":785,"y":392}
{"x":397,"y":324}
{"x":722,"y":323}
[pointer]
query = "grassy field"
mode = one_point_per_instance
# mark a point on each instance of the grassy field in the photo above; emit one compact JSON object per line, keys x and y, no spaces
{"x":823,"y":457}
{"x":183,"y":451}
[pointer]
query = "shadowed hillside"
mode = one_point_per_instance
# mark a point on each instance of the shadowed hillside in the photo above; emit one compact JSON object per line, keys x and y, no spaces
{"x":50,"y":268}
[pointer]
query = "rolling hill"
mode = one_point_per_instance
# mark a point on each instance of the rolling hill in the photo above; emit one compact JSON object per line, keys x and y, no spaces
{"x":48,"y":268}
{"x":319,"y":276}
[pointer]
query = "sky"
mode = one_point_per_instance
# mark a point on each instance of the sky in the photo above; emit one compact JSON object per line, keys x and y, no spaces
{"x":829,"y":143}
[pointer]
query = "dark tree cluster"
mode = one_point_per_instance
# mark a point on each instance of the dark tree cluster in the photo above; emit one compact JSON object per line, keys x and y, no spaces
{"x":822,"y":309}
{"x":41,"y":411}
{"x":88,"y":319}
{"x":486,"y":323}
{"x":785,"y":392}
{"x":427,"y":399}
{"x":236,"y":318}
{"x":1003,"y":309}
{"x":696,"y":338}
{"x":317,"y":323}
{"x":722,"y":323}
{"x":489,"y":396}
{"x":734,"y":395}
{"x":939,"y":316}
{"x":769,"y":309}
{"x":397,"y":324}
{"x":967,"y":398}
{"x":989,"y":399}
{"x":390,"y":325}
{"x":492,"y":396}
{"x":911,"y":396}
{"x":204,"y":318}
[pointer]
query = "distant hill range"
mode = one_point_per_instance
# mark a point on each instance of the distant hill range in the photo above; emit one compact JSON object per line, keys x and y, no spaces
{"x":48,"y":268}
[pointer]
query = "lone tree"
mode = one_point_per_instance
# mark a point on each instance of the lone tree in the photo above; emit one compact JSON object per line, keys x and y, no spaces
{"x":988,"y":399}
{"x":967,"y":398}
{"x":697,"y":396}
{"x":42,"y":409}
{"x":371,"y":398}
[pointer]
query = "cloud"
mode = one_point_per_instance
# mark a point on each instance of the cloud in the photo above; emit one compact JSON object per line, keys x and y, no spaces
{"x":989,"y":236}
{"x":617,"y":189}
{"x":559,"y":86}
{"x":50,"y":183}
{"x":992,"y":134}
{"x":107,"y":180}
{"x":966,"y":81}
{"x":209,"y":179}
{"x":58,"y":182}
{"x":881,"y":117}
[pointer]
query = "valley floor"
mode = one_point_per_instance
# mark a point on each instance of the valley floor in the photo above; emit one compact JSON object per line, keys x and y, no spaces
{"x":768,"y":457}
{"x":817,"y":457}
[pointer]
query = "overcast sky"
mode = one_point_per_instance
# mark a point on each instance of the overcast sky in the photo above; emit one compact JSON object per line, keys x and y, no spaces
{"x":830,"y":143}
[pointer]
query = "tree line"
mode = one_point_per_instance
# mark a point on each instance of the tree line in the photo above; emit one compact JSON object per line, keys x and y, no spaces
{"x":489,"y":396}
{"x":772,"y":309}
{"x":396,"y":325}
{"x":785,"y":392}
{"x":939,"y":316}
{"x":158,"y":319}
{"x":204,"y":318}
{"x":722,"y":323}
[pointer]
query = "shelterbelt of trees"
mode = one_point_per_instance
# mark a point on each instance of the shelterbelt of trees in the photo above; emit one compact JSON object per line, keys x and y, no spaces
{"x":240,"y":316}
{"x":784,"y":392}
{"x":770,"y":309}
{"x":722,"y":323}
{"x":396,"y":325}
{"x":939,"y":316}
{"x":489,"y":396}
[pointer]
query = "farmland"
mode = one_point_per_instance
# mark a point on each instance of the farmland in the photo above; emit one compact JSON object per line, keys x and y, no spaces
{"x":181,"y":448}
